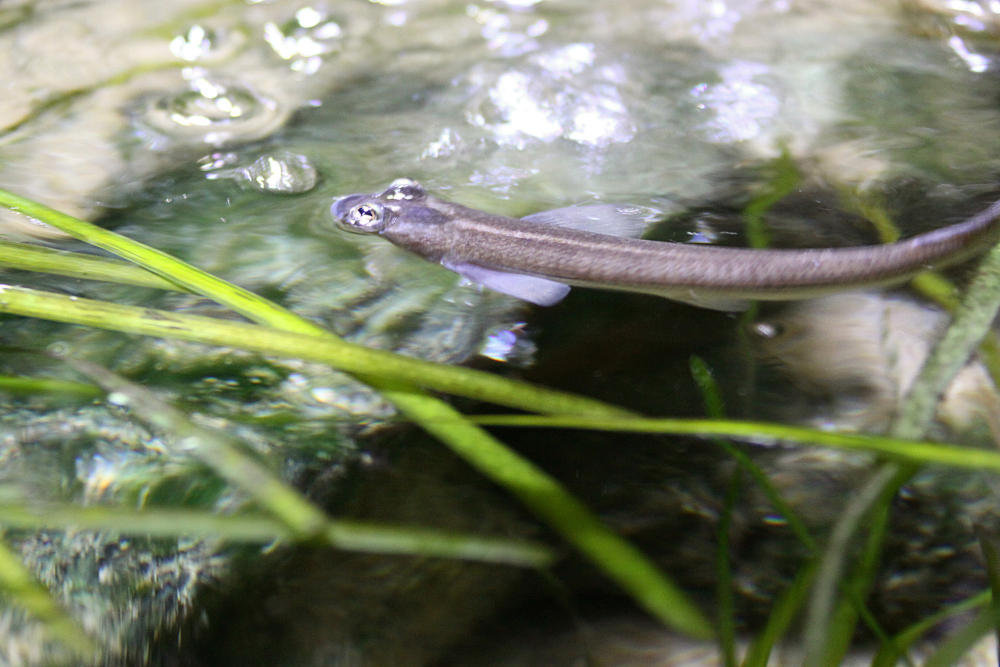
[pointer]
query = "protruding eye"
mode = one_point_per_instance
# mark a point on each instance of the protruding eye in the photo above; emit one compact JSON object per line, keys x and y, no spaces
{"x":365,"y":217}
{"x":358,"y":213}
{"x":404,"y":188}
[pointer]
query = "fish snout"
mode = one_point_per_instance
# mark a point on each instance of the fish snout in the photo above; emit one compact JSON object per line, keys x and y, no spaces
{"x":343,"y":205}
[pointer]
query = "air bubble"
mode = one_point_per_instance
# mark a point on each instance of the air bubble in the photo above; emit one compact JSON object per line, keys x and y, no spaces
{"x":281,"y":173}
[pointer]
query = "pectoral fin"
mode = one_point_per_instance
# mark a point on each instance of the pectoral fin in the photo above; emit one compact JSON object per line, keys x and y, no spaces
{"x":540,"y":291}
{"x":611,"y":219}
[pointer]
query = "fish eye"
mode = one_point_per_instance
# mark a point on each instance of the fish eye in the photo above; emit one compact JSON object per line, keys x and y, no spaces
{"x":365,"y":217}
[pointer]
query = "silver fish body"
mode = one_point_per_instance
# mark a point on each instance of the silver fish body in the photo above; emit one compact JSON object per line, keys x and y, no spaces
{"x":537,"y":261}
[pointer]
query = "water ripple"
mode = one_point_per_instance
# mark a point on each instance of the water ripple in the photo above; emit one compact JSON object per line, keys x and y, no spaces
{"x":212,"y":112}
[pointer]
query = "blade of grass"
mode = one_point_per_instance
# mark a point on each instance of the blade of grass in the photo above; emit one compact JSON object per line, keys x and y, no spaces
{"x":784,"y":611}
{"x":782,"y":182}
{"x":48,"y":386}
{"x":724,"y":594}
{"x":35,"y":598}
{"x":853,"y":590}
{"x":951,"y":650}
{"x":889,"y":655}
{"x":829,"y":626}
{"x":78,"y":265}
{"x":781,"y":614}
{"x":621,"y":561}
{"x":171,"y":269}
{"x":991,"y":556}
{"x":352,"y":535}
{"x":339,"y":354}
{"x":764,"y":433}
{"x":220,"y":452}
{"x":931,"y":284}
{"x":714,"y":408}
{"x":971,"y":324}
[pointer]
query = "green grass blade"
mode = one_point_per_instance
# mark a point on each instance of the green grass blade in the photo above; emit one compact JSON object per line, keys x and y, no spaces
{"x":545,"y":497}
{"x":339,"y":354}
{"x":765,"y":433}
{"x":784,"y":611}
{"x":784,"y":177}
{"x":78,"y":265}
{"x":162,"y":264}
{"x":869,"y":507}
{"x":47,"y":387}
{"x":228,"y":459}
{"x":930,"y":284}
{"x":713,"y":407}
{"x":971,"y":324}
{"x":220,"y":452}
{"x":724,"y":594}
{"x":890,"y":654}
{"x":25,"y":591}
{"x":353,"y":535}
{"x":950,"y":651}
{"x":829,"y":625}
{"x":991,"y":556}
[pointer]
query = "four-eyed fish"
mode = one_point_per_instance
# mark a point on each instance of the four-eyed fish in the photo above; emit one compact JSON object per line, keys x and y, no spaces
{"x":538,"y":257}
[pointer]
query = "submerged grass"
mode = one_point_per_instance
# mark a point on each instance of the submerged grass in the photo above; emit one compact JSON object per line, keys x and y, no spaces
{"x":388,"y":373}
{"x":78,"y":265}
{"x":835,"y":601}
{"x":930,"y":284}
{"x":830,"y":624}
{"x":312,"y":346}
{"x":769,"y":434}
{"x":890,"y":654}
{"x":263,"y":529}
{"x":48,"y":386}
{"x":299,"y":516}
{"x":725,"y":594}
{"x":59,"y":625}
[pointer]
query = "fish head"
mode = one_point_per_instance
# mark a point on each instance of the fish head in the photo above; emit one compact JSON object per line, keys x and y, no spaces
{"x":373,"y":213}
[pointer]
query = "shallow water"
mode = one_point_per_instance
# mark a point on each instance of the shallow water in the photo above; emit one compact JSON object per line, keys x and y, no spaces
{"x":221,"y":133}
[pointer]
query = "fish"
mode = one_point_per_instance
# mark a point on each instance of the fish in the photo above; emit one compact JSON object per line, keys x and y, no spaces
{"x":538,"y":258}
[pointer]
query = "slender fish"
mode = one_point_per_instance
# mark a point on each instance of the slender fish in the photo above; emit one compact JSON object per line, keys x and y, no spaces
{"x":536,"y":258}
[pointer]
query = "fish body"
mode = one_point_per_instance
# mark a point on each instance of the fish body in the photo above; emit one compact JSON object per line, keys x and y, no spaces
{"x":538,"y":257}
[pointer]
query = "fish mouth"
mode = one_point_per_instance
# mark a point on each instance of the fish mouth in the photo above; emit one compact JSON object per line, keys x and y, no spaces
{"x":343,"y":205}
